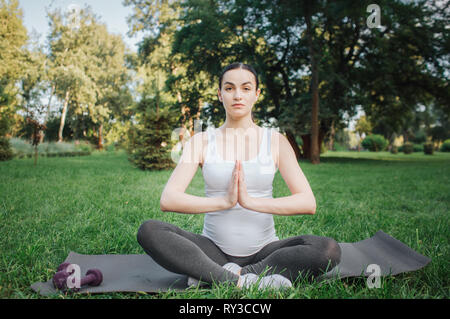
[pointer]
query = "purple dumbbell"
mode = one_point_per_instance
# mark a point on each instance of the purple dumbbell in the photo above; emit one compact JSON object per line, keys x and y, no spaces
{"x":63,"y":266}
{"x":60,"y":278}
{"x":94,"y":277}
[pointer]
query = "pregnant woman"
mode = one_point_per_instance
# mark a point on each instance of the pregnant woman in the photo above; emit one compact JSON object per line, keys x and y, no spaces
{"x":238,"y":161}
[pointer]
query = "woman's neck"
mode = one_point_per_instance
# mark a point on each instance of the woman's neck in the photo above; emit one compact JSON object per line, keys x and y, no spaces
{"x":243,"y":124}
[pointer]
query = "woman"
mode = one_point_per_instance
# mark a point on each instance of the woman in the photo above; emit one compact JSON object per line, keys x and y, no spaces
{"x":238,"y":243}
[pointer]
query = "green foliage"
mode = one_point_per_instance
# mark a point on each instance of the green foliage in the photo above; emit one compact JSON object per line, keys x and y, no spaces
{"x":13,"y":37}
{"x":87,"y":68}
{"x":84,"y":146}
{"x":408,"y":148}
{"x":151,"y":145}
{"x":22,"y":148}
{"x":420,"y":137}
{"x":374,"y":143}
{"x":428,"y":148}
{"x":417,"y":147}
{"x":338,"y":147}
{"x":394,"y":149}
{"x":6,"y":152}
{"x":323,"y":148}
{"x":446,"y":146}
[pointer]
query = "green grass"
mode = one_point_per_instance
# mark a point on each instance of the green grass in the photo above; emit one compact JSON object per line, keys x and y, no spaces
{"x":95,"y":204}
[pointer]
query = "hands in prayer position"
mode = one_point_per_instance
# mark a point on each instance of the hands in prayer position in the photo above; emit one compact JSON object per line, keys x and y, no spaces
{"x":237,"y":191}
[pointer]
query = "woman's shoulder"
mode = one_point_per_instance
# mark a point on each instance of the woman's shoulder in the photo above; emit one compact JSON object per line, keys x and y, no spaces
{"x":279,"y":145}
{"x":200,"y":141}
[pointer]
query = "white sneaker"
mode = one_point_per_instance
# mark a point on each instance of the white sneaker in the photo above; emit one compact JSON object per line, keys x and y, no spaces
{"x":274,"y":281}
{"x":247,"y":280}
{"x":234,"y":268}
{"x":271,"y":281}
{"x":192,"y":282}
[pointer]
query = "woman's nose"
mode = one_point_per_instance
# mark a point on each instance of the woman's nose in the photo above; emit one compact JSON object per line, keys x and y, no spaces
{"x":237,"y":94}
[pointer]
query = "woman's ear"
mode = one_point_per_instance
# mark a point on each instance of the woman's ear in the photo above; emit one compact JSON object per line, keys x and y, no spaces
{"x":219,"y":95}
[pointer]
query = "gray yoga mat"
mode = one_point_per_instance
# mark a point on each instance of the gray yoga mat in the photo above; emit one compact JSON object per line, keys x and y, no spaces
{"x":140,"y":273}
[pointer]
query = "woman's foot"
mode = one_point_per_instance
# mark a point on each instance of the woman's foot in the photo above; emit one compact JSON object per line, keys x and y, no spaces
{"x":234,"y":268}
{"x":271,"y":281}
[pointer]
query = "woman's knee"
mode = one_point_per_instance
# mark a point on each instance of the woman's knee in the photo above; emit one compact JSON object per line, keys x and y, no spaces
{"x":333,"y":252}
{"x":147,"y":230}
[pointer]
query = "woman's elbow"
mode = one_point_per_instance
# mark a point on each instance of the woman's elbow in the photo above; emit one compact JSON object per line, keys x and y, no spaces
{"x":313,"y":206}
{"x":163,"y":203}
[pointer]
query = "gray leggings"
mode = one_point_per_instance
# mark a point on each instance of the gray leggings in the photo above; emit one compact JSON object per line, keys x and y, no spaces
{"x":195,"y":255}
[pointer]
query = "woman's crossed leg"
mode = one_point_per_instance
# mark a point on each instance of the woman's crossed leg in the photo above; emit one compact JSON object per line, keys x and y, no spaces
{"x":183,"y":252}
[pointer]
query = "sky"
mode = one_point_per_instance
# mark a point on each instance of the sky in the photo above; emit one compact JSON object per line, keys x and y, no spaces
{"x":111,"y":12}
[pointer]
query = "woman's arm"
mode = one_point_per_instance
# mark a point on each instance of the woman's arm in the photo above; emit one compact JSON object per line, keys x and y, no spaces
{"x":302,"y":200}
{"x":174,"y":198}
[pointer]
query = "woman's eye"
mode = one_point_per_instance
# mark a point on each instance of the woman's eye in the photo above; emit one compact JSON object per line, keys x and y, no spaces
{"x":227,"y":89}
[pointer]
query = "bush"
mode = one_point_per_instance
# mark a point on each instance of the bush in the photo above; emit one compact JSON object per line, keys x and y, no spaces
{"x":408,"y":148}
{"x":394,"y":149}
{"x":151,"y":146}
{"x":446,"y":146}
{"x":428,"y":148}
{"x":420,"y":137}
{"x":22,"y":148}
{"x":418,"y":147}
{"x":6,"y":152}
{"x":111,"y":147}
{"x":374,"y":143}
{"x":84,"y":146}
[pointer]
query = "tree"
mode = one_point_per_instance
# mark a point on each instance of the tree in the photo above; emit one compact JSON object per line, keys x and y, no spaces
{"x":318,"y":51}
{"x":175,"y":84}
{"x":88,"y":70}
{"x":69,"y":61}
{"x":13,"y":38}
{"x":404,"y":66}
{"x":151,"y":140}
{"x":363,"y":126}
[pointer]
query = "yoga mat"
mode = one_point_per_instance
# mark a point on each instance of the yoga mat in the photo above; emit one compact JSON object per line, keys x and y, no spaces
{"x":140,"y":273}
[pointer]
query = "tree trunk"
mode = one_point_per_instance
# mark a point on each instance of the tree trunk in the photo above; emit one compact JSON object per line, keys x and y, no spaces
{"x":320,"y":140}
{"x":197,"y":117}
{"x":332,"y":134}
{"x":315,"y":150}
{"x":405,"y":136}
{"x":48,"y":112}
{"x":100,"y":137}
{"x":183,"y":120}
{"x":63,"y":116}
{"x":306,"y":138}
{"x":35,"y":154}
{"x":291,"y":138}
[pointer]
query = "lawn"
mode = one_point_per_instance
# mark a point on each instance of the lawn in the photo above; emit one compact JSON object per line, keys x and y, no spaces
{"x":95,"y":204}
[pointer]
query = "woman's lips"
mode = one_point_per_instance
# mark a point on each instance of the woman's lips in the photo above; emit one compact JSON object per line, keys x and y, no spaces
{"x":238,"y":105}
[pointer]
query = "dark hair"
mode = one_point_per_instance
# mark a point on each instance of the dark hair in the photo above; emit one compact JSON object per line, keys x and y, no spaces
{"x":238,"y":65}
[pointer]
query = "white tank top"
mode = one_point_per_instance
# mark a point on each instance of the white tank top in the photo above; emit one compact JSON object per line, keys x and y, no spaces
{"x":239,"y":231}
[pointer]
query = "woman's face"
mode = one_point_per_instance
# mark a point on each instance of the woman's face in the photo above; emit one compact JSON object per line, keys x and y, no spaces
{"x":238,"y":93}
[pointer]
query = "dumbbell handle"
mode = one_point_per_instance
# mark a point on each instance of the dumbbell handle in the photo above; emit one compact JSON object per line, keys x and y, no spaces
{"x":86,"y":280}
